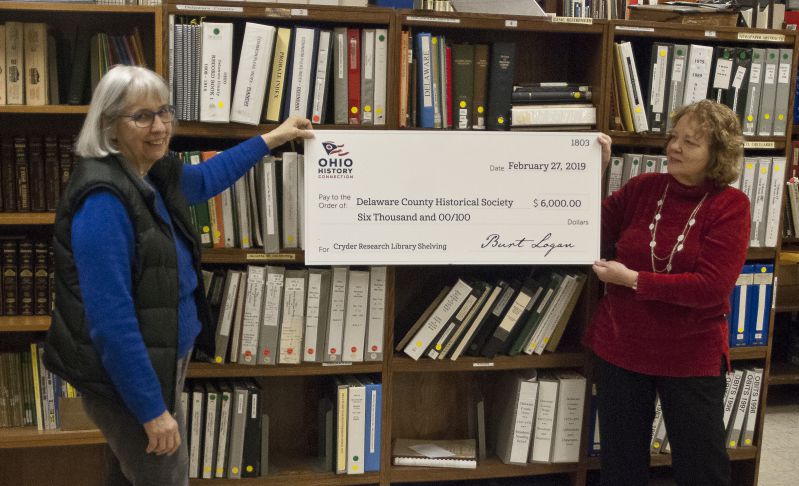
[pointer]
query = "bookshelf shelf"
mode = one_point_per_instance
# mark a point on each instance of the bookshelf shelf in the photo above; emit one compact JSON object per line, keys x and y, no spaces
{"x":238,"y":131}
{"x":650,"y":140}
{"x":466,"y":363}
{"x":209,"y":370}
{"x":302,"y":471}
{"x":783,"y":373}
{"x":660,"y":460}
{"x":45,"y":110}
{"x":23,"y":437}
{"x":748,"y":352}
{"x":76,"y":7}
{"x":21,"y":219}
{"x":253,"y":256}
{"x":761,"y":254}
{"x":491,"y":467}
{"x":447,"y":20}
{"x":787,"y":308}
{"x":290,"y":13}
{"x":24,"y":323}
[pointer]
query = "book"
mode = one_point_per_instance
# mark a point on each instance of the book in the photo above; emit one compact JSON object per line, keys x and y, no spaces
{"x":271,"y":315}
{"x":459,"y":454}
{"x":516,"y":417}
{"x":316,"y":309}
{"x":277,"y":79}
{"x":253,"y":73}
{"x":216,"y":73}
{"x":253,"y":310}
{"x":500,"y":85}
{"x":377,"y":314}
{"x":356,"y":316}
{"x":293,"y":317}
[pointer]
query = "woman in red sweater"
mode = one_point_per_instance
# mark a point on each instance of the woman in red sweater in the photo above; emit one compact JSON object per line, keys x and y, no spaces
{"x":672,"y":246}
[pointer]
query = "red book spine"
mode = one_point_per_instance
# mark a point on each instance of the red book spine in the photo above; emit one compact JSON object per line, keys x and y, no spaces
{"x":354,"y":74}
{"x":449,"y":87}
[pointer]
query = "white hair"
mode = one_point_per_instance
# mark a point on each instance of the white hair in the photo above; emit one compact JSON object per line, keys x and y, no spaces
{"x":119,"y":87}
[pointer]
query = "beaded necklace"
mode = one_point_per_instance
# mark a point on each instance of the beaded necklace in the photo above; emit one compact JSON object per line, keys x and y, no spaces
{"x":678,"y":245}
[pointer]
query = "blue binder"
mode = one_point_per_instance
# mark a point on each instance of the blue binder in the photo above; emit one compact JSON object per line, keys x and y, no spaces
{"x":374,"y":409}
{"x":741,"y":297}
{"x":423,"y":51}
{"x":760,"y":306}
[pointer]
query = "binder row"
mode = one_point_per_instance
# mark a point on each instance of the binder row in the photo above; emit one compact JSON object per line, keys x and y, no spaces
{"x":350,"y":426}
{"x":228,"y":434}
{"x":750,"y":305}
{"x":273,"y":315}
{"x":326,"y":75}
{"x":35,"y":67}
{"x":509,"y":317}
{"x":762,"y":179}
{"x":29,"y":393}
{"x":247,"y":214}
{"x":753,"y":82}
{"x":540,"y":417}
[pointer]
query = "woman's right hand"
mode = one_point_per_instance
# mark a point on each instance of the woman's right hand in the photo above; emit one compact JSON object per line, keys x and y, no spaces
{"x":294,"y":127}
{"x":605,"y":142}
{"x":163,"y":434}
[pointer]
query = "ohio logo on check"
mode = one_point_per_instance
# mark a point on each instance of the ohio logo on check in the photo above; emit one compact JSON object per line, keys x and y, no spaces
{"x":336,"y":165}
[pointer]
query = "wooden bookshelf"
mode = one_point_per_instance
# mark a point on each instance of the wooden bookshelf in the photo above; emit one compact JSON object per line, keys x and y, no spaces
{"x":26,"y":437}
{"x":783,"y":373}
{"x":232,"y":256}
{"x":24,"y":323}
{"x":26,"y":219}
{"x":426,"y":397}
{"x":491,"y":467}
{"x":45,"y":110}
{"x":661,"y":460}
{"x":209,"y":370}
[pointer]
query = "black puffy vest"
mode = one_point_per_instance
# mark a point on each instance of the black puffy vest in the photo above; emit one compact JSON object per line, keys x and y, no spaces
{"x":69,"y":352}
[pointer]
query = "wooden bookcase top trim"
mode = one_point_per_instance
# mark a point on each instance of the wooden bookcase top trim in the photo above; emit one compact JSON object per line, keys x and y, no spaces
{"x":21,"y":437}
{"x":748,"y":352}
{"x":210,"y":370}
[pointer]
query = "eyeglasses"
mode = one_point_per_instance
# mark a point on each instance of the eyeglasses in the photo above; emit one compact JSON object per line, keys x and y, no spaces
{"x":145,"y":118}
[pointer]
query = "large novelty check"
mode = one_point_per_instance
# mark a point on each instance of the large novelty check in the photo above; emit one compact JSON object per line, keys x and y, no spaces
{"x":429,"y":197}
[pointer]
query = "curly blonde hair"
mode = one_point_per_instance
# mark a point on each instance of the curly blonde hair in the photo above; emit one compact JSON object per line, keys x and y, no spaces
{"x":720,"y":124}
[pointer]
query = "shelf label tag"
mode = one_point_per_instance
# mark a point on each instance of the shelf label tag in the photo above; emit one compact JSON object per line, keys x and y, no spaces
{"x":710,"y":33}
{"x":635,"y":29}
{"x":262,"y":257}
{"x":299,"y":12}
{"x":489,"y":364}
{"x":441,"y":20}
{"x":572,"y":20}
{"x":756,"y":36}
{"x":752,"y":144}
{"x":210,"y":8}
{"x":511,"y":23}
{"x":343,"y":363}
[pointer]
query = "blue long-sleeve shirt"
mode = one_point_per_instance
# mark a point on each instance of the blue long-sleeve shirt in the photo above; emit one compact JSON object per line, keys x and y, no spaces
{"x":103,"y":244}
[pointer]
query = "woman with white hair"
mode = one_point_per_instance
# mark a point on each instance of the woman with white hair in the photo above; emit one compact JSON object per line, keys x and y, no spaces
{"x":130,"y":305}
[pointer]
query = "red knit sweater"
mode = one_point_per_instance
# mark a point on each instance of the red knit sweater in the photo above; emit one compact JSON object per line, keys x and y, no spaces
{"x":675,"y":324}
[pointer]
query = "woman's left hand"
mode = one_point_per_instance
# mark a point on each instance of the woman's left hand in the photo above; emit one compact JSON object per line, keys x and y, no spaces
{"x":615,"y":273}
{"x":294,"y":127}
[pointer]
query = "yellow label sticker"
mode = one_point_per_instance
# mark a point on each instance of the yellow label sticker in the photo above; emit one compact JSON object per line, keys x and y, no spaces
{"x":218,"y":359}
{"x":767,"y":116}
{"x":206,"y":229}
{"x":780,"y":117}
{"x":462,"y":104}
{"x":418,"y":344}
{"x":250,"y":469}
{"x":749,"y":118}
{"x":218,"y":234}
{"x":501,"y":120}
{"x":479,"y":109}
{"x":354,"y":109}
{"x":438,"y":347}
{"x":379,"y":111}
{"x":367,"y":108}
